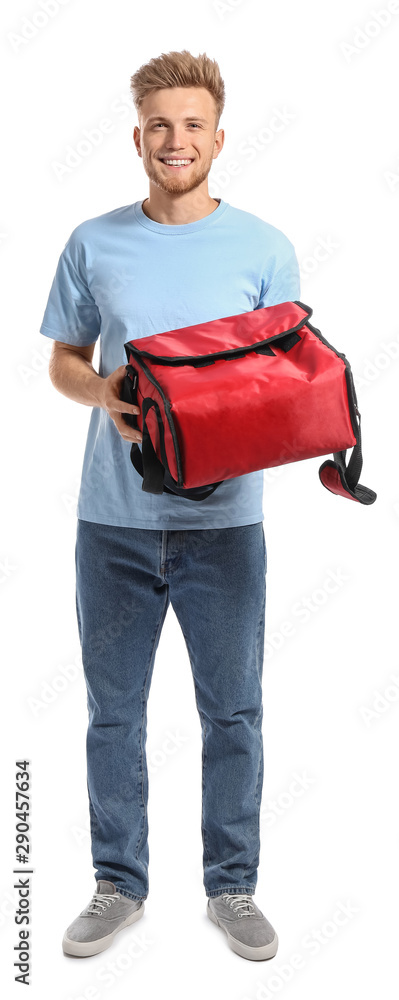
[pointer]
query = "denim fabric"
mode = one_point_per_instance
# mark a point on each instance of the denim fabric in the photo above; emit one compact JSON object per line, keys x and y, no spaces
{"x":215,"y":580}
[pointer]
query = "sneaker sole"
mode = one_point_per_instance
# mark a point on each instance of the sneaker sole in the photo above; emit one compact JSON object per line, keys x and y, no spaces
{"x":83,"y":949}
{"x":245,"y":950}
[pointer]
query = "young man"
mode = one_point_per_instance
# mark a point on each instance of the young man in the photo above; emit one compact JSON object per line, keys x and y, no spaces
{"x":175,"y":259}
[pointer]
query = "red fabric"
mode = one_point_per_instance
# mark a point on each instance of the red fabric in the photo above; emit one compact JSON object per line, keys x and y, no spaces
{"x":331,"y":479}
{"x":245,"y":414}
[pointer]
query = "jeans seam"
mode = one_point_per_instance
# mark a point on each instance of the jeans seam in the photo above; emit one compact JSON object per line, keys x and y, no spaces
{"x":232,"y":889}
{"x":207,"y":857}
{"x":143,"y":699}
{"x":125,"y":892}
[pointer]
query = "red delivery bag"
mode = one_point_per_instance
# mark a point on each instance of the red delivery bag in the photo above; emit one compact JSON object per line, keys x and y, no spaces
{"x":238,"y":394}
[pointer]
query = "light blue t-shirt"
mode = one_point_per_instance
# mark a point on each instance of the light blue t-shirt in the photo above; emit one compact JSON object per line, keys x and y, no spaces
{"x":122,"y":276}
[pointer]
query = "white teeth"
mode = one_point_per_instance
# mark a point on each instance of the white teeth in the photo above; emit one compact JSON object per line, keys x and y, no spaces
{"x":176,"y":163}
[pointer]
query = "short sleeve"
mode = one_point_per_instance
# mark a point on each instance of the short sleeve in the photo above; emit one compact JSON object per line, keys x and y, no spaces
{"x":282,"y":284}
{"x":71,"y":314}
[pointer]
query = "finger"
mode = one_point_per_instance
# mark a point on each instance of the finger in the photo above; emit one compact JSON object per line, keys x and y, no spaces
{"x":120,"y":407}
{"x":133,"y":440}
{"x":127,"y":432}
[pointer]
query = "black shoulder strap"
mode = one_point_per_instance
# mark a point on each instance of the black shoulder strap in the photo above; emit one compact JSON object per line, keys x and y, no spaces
{"x":156,"y":474}
{"x":343,"y":479}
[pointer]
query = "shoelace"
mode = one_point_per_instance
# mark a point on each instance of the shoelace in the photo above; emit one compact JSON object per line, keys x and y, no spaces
{"x":239,"y":899}
{"x":102,"y":900}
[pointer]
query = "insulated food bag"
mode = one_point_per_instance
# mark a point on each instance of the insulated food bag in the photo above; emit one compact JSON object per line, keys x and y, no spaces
{"x":234,"y":395}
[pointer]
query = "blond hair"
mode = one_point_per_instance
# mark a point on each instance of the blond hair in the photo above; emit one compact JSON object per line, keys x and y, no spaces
{"x":179,"y":69}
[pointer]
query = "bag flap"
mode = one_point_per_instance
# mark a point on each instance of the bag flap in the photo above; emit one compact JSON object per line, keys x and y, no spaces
{"x":202,"y":340}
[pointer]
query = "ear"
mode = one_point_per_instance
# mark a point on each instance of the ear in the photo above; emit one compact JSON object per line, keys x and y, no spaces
{"x":136,"y":139}
{"x":219,"y":142}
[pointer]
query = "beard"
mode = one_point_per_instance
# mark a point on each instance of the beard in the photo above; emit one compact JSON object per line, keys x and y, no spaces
{"x":174,"y":183}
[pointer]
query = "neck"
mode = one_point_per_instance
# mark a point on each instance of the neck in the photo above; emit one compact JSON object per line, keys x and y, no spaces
{"x":178,"y":209}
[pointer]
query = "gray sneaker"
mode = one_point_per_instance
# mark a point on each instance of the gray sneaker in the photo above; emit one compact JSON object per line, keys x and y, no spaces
{"x":95,"y":927}
{"x":249,"y":934}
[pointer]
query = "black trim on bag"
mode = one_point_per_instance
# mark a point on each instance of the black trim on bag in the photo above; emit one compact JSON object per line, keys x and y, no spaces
{"x":201,"y":360}
{"x":156,"y":474}
{"x":169,"y":418}
{"x":350,"y":472}
{"x":129,"y":395}
{"x":261,"y":347}
{"x":151,"y":470}
{"x":266,"y":350}
{"x":352,"y":399}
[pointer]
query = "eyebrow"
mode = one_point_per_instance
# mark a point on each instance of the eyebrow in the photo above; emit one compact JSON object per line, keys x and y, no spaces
{"x":189,"y":118}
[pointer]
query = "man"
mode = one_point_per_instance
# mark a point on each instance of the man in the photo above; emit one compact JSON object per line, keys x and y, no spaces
{"x":175,"y":259}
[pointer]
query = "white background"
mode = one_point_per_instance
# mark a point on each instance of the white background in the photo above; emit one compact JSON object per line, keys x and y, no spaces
{"x":329,"y":177}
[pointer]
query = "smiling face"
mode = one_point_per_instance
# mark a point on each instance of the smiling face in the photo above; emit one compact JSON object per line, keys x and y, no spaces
{"x":178,"y":123}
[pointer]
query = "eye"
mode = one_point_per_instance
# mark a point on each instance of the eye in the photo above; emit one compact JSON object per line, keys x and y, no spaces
{"x":162,"y":123}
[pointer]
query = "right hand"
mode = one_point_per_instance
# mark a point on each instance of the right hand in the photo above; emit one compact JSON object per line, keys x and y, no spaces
{"x":114,"y":406}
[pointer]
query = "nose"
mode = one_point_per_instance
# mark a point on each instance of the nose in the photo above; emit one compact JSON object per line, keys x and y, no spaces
{"x":175,"y":139}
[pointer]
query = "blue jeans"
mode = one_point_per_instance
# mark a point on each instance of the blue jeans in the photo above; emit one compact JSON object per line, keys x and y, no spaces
{"x":216,"y":581}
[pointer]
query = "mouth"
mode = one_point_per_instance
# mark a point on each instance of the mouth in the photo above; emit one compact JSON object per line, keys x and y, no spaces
{"x":174,"y":163}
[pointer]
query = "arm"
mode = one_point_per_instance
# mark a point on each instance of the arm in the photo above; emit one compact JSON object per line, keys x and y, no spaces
{"x":72,"y":373}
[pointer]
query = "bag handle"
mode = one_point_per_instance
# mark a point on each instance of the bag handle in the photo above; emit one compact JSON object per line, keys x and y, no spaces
{"x":343,"y":479}
{"x":155,"y":474}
